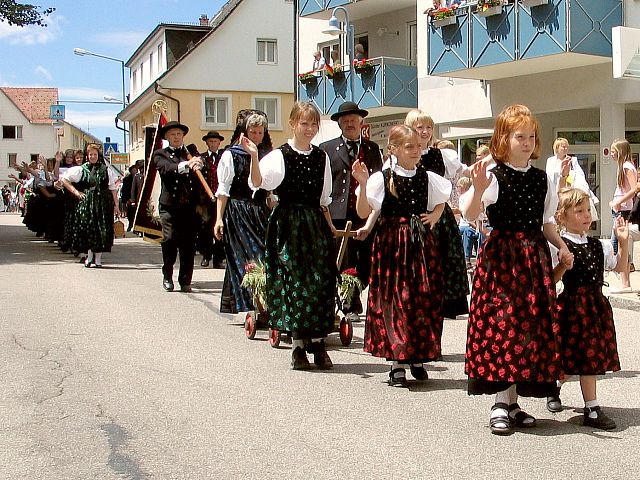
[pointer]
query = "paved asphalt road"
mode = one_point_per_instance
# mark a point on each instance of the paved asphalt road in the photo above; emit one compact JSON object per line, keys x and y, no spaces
{"x":105,"y":376}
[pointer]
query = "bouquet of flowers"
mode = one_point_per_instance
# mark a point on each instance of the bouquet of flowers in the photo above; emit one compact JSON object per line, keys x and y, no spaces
{"x":255,"y":279}
{"x":349,"y":285}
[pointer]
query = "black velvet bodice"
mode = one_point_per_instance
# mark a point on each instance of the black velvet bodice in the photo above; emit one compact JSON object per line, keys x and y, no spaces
{"x":433,"y":161}
{"x":240,"y":184}
{"x":413,"y":194}
{"x":588,"y":265}
{"x":520,"y":205}
{"x":303,"y":178}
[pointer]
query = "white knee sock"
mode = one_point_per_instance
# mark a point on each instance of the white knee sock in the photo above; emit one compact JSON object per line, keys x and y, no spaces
{"x":89,"y":256}
{"x":592,"y":404}
{"x":297,"y":343}
{"x":98,"y":258}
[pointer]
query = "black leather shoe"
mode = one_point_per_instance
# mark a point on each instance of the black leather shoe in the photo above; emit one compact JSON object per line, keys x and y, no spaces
{"x":418,"y":371}
{"x":299,"y":360}
{"x":554,"y":405}
{"x":205,"y":262}
{"x":185,"y":288}
{"x":602,"y":421}
{"x":320,"y":356}
{"x":167,"y":284}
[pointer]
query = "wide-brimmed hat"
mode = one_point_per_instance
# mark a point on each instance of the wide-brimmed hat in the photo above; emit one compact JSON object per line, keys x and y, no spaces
{"x":213,"y":134}
{"x":172,"y":124}
{"x":348,"y":108}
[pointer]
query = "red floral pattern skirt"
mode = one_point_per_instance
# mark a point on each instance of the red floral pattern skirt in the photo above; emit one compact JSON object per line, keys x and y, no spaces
{"x":404,"y":314}
{"x":588,"y":334}
{"x":513,"y":331}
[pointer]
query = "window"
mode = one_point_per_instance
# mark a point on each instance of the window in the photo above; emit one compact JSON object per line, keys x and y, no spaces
{"x":159,"y":58}
{"x":141,"y":75}
{"x":134,"y":82}
{"x":270,"y":106}
{"x":413,"y":43}
{"x":151,"y":65}
{"x":34,"y":157}
{"x":13,"y":159}
{"x":216,"y":109}
{"x":12,"y":132}
{"x":267,"y":51}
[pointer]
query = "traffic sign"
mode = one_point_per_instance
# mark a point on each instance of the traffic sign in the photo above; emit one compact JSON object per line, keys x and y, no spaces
{"x":120,"y":158}
{"x":109,"y":148}
{"x":56,"y":112}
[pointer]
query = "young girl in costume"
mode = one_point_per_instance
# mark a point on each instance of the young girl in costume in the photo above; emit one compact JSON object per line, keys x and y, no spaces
{"x":404,"y":314}
{"x":448,"y":240}
{"x":299,"y":252}
{"x":512,"y":338}
{"x":588,"y":334}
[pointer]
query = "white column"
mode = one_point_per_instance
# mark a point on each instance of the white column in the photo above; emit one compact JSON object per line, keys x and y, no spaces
{"x":612,"y":126}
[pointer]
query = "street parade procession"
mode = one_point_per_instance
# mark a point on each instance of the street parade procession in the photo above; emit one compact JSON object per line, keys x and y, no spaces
{"x":385,"y":226}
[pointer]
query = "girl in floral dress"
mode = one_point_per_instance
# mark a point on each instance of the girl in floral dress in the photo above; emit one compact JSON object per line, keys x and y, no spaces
{"x":404,"y":314}
{"x":447,"y":234}
{"x":588,"y":334}
{"x":512,"y":338}
{"x":299,"y":246}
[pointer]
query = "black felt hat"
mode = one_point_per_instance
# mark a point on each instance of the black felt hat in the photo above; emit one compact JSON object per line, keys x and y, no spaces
{"x":172,"y":124}
{"x":213,"y":134}
{"x":348,"y":108}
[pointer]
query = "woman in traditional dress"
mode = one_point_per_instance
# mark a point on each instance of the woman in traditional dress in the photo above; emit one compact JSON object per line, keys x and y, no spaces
{"x":513,"y":346}
{"x":299,"y":257}
{"x":404,"y":314}
{"x":456,"y":281}
{"x":94,"y":184}
{"x":241,"y":215}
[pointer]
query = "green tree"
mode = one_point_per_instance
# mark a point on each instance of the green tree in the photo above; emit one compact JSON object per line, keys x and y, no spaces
{"x":22,"y":14}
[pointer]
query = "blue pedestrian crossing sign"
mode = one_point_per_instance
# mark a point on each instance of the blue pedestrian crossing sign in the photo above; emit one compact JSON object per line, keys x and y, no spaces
{"x":56,"y":112}
{"x":109,"y":148}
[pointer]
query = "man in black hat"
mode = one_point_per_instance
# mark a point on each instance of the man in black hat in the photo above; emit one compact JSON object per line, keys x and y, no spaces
{"x":178,"y":201}
{"x":211,"y":249}
{"x":343,"y":152}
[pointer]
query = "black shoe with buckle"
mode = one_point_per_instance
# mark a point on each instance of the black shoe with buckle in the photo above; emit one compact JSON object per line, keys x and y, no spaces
{"x":167,"y":284}
{"x":554,"y":405}
{"x":418,"y":371}
{"x":398,"y":378}
{"x":205,"y":262}
{"x":602,"y":421}
{"x":299,"y":360}
{"x":185,"y":288}
{"x":320,"y":355}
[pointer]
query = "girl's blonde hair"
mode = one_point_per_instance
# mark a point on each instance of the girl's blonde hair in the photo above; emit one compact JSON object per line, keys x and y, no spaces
{"x":442,"y":144}
{"x":305,"y":110}
{"x":415,"y":116}
{"x":464,"y":183}
{"x":510,"y":119}
{"x":622,"y":147}
{"x":557,"y":142}
{"x":398,"y":135}
{"x":482,"y":150}
{"x":569,"y":197}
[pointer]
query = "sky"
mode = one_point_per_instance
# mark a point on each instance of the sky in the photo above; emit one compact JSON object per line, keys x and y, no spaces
{"x":43,"y":57}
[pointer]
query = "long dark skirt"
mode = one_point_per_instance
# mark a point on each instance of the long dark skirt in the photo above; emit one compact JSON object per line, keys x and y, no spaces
{"x":93,"y":226}
{"x":456,"y":282}
{"x":244,"y":232}
{"x":70,"y":204}
{"x":404,"y":314}
{"x":513,"y":330}
{"x":301,"y":272}
{"x":588,"y":334}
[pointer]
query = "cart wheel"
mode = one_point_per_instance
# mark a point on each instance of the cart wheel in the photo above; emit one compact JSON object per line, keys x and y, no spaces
{"x":274,"y":337}
{"x":346,"y":332}
{"x":250,"y":326}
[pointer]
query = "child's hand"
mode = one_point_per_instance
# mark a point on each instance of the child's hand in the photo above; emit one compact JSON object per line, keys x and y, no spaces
{"x":360,"y":172}
{"x":429,"y":219}
{"x":362,"y":233}
{"x":622,"y":229}
{"x":564,"y":166}
{"x":567,"y":261}
{"x":479,"y":176}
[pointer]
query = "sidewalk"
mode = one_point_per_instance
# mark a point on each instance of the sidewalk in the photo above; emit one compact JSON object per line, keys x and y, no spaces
{"x":629,"y":301}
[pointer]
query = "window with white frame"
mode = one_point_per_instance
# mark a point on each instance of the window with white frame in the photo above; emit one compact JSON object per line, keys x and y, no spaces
{"x":12,"y":132}
{"x":271,"y":106}
{"x":152,"y":65}
{"x":134,"y":81}
{"x":13,"y":158}
{"x":216,"y":110}
{"x":267,"y":51}
{"x":159,"y":58}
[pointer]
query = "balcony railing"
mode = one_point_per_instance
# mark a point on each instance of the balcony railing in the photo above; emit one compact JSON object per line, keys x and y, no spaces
{"x":474,"y":43}
{"x":389,"y":83}
{"x":309,"y":7}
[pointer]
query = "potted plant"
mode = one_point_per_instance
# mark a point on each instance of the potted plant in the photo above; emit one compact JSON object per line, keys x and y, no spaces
{"x":534,"y":3}
{"x":443,"y":15}
{"x":363,"y":66}
{"x":486,"y":8}
{"x":307,"y":78}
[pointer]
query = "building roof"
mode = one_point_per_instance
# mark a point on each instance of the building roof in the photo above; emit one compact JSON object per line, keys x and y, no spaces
{"x":166,"y":26}
{"x":34,"y":103}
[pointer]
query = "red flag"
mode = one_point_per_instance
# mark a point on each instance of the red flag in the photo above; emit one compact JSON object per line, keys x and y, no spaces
{"x":162,"y":121}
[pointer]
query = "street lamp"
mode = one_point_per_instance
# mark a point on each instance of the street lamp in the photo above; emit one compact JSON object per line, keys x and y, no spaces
{"x":82,"y":52}
{"x":334,"y":29}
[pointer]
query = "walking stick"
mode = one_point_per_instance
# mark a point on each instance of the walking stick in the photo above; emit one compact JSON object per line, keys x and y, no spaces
{"x":198,"y":173}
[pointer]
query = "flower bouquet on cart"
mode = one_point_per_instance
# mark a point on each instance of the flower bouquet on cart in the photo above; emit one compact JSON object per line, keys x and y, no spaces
{"x":349,"y":285}
{"x":255,"y":279}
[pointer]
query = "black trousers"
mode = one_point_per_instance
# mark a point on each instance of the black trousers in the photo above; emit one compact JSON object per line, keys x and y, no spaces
{"x":207,"y":245}
{"x":179,"y":223}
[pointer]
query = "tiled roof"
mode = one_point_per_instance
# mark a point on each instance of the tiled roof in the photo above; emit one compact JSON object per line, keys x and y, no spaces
{"x":34,"y":103}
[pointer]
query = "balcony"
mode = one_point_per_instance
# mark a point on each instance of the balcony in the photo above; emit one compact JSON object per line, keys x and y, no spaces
{"x":309,"y":7}
{"x":391,"y":86}
{"x":522,"y":40}
{"x":358,"y":9}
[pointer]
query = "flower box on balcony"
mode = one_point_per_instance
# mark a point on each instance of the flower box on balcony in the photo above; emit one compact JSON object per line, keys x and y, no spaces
{"x":308,"y":78}
{"x":363,"y":67}
{"x":490,"y":11}
{"x":443,"y":22}
{"x":534,"y":3}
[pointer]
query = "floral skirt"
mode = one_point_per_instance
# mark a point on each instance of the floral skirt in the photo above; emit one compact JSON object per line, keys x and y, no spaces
{"x":587,"y":332}
{"x":451,"y":253}
{"x":513,"y":330}
{"x":93,"y":225}
{"x":244,"y":232}
{"x":404,"y":314}
{"x":301,"y":272}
